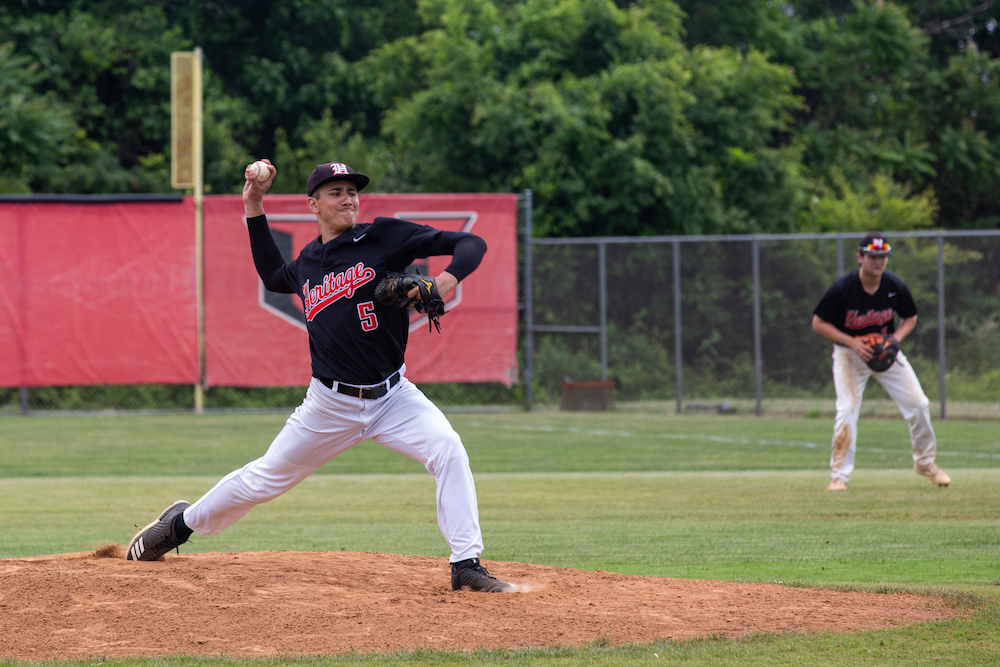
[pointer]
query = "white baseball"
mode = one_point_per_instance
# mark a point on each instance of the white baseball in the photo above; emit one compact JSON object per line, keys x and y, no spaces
{"x":261,"y":170}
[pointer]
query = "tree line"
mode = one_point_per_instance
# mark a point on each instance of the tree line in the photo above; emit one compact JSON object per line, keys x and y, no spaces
{"x":624,"y":118}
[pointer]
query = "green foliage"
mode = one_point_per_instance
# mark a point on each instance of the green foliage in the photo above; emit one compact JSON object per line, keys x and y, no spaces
{"x":882,"y":204}
{"x":563,"y":359}
{"x":740,"y":102}
{"x":642,"y":362}
{"x":905,"y":91}
{"x":322,"y":140}
{"x":863,"y":75}
{"x":291,"y":61}
{"x":325,"y":140}
{"x":34,"y":128}
{"x":600,"y":110}
{"x":111,"y":397}
{"x":963,"y":103}
{"x":646,"y":117}
{"x":109,"y":74}
{"x":109,"y":68}
{"x":969,"y":387}
{"x":254,"y":397}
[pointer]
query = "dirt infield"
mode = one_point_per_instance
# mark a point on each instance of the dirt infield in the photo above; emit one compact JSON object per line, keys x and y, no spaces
{"x":281,"y":602}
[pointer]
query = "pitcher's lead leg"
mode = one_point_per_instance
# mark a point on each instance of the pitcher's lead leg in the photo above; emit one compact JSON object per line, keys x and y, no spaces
{"x":158,"y":537}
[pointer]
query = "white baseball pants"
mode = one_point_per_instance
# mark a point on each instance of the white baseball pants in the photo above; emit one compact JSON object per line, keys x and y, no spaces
{"x":850,"y":374}
{"x":329,"y":423}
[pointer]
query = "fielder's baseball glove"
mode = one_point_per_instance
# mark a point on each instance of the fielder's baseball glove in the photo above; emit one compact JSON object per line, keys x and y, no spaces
{"x":884,"y":349}
{"x":393,"y":290}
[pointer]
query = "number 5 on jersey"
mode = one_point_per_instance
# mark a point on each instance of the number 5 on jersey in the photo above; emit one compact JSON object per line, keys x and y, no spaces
{"x":366,"y":313}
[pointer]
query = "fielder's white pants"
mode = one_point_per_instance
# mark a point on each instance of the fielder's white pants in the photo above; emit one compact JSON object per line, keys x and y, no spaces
{"x":329,"y":423}
{"x":850,"y":374}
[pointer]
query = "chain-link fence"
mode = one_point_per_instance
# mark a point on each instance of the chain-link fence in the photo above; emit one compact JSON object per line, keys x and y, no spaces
{"x":684,"y":323}
{"x":736,"y":312}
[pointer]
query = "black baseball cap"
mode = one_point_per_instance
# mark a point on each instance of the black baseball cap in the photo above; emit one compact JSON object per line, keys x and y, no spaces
{"x":874,"y":243}
{"x":334,"y":171}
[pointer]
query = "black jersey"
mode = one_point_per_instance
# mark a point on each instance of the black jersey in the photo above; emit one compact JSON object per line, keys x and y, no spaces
{"x":352,"y":337}
{"x":848,"y":307}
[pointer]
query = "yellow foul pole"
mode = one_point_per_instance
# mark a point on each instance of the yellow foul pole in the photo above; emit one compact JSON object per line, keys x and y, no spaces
{"x":187,"y":172}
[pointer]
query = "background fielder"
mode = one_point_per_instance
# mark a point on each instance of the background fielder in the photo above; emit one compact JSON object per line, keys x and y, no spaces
{"x":862,"y":302}
{"x":359,"y":390}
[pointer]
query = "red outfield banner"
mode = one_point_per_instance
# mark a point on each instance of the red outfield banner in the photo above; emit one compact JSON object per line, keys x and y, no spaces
{"x":97,"y":293}
{"x":104,"y":293}
{"x":257,"y":338}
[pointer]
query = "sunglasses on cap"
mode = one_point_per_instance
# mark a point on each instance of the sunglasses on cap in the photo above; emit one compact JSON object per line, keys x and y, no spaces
{"x":876,"y":247}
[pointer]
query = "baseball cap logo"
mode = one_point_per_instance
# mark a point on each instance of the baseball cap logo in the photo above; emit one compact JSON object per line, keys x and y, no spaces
{"x":334,"y":171}
{"x":875,"y":244}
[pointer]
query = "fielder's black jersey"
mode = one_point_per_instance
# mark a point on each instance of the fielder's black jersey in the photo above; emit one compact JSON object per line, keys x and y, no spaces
{"x":352,"y":337}
{"x":847,"y":306}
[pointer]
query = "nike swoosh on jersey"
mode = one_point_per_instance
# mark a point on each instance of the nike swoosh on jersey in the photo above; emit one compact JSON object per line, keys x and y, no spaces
{"x":358,"y":238}
{"x":891,"y":294}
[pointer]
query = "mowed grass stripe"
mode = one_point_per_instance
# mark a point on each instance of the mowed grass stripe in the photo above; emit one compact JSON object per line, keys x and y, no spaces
{"x":890,"y":527}
{"x":550,"y":442}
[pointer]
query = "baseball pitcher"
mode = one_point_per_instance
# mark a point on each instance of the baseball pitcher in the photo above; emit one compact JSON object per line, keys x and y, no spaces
{"x":858,"y":313}
{"x":356,"y":297}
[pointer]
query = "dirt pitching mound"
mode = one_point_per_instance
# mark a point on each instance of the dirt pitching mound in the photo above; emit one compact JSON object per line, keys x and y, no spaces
{"x":291,"y":603}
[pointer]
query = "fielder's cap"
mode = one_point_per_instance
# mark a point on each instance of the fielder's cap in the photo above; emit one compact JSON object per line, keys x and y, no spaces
{"x":334,"y":171}
{"x":874,"y":243}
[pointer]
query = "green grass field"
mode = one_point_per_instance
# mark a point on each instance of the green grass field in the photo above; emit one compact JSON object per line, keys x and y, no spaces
{"x":707,"y":497}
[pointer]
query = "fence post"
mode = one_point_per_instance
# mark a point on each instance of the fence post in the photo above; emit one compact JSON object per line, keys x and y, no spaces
{"x":941,"y":352}
{"x":840,"y":256}
{"x":677,"y":324}
{"x":602,"y":276}
{"x":529,"y":341}
{"x":755,"y":249}
{"x":24,"y":401}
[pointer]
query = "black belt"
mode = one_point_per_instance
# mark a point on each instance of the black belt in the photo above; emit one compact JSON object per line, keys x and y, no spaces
{"x":378,"y":391}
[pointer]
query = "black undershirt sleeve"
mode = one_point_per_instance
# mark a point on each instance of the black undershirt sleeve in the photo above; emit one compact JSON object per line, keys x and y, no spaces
{"x":469,"y":251}
{"x":406,"y":240}
{"x":266,"y":257}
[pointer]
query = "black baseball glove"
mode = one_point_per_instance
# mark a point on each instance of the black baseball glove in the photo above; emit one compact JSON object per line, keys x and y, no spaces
{"x":394,"y":289}
{"x":884,"y":350}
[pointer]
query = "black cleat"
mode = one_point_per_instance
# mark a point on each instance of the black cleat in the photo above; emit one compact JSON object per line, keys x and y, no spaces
{"x":158,"y":537}
{"x":469,"y":575}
